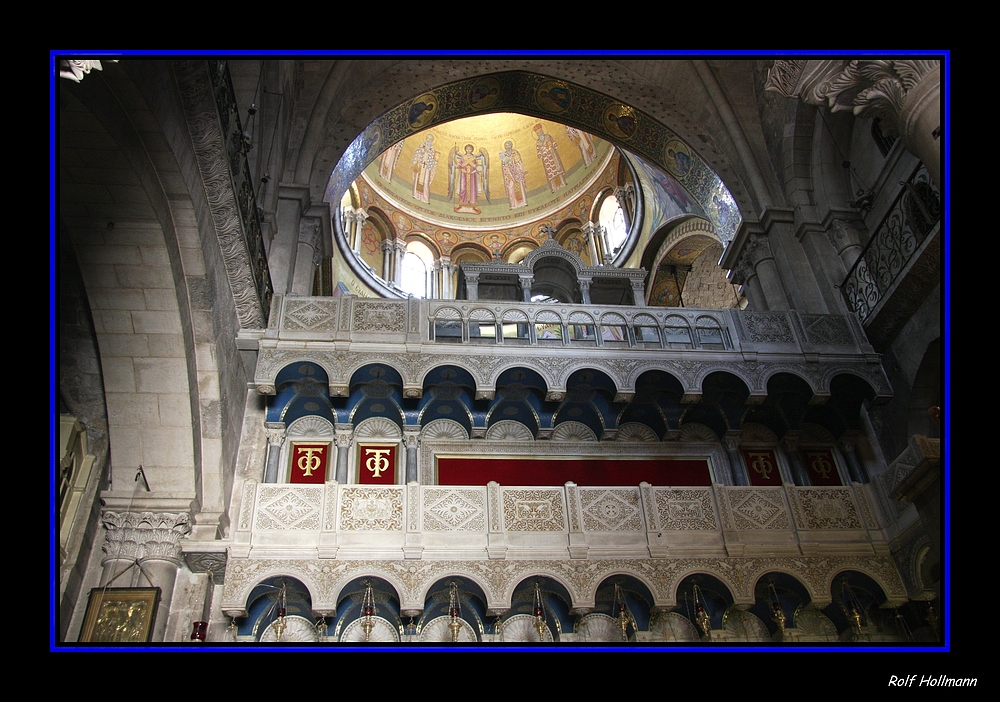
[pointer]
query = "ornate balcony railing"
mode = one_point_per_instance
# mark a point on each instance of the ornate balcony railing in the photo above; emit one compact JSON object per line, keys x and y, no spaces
{"x":912,"y":216}
{"x":569,"y":521}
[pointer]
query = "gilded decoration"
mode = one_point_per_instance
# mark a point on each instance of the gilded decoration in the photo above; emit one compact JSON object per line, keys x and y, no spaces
{"x":537,"y":97}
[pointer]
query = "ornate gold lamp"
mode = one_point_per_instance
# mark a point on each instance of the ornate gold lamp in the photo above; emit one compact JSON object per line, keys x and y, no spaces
{"x":368,"y":610}
{"x":777,"y":614}
{"x":538,"y":610}
{"x":623,"y":614}
{"x":281,"y":611}
{"x":701,"y":617}
{"x":852,"y":606}
{"x":454,"y":611}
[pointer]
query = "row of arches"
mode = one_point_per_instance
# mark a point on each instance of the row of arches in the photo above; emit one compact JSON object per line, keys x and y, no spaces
{"x":590,"y":396}
{"x":541,"y":609}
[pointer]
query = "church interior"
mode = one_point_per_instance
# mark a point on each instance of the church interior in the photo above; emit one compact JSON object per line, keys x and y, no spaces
{"x":407,"y":351}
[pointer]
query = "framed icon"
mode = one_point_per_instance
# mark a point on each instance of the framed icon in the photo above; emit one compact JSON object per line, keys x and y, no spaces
{"x":120,"y":615}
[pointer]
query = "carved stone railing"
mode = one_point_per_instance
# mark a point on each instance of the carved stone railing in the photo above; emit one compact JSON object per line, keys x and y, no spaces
{"x":339,"y":335}
{"x":502,"y":324}
{"x":494,"y":521}
{"x":911,"y":217}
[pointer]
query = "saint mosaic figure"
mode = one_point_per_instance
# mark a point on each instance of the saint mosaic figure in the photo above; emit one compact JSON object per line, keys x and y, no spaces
{"x":548,"y":154}
{"x":584,"y":142}
{"x":513,"y":175}
{"x":425,"y":160}
{"x":387,"y":161}
{"x":468,"y":175}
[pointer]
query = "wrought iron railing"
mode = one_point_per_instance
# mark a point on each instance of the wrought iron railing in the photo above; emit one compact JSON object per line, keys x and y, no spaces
{"x":913,"y":214}
{"x":237,"y":145}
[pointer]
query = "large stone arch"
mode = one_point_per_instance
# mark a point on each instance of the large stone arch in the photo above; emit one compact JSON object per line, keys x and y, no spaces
{"x":152,"y":272}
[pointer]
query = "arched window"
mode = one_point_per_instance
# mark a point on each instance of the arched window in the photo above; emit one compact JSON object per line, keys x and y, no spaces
{"x":416,"y":264}
{"x":612,"y":219}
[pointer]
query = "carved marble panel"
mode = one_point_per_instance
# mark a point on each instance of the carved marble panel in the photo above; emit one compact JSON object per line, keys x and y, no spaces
{"x":288,"y":507}
{"x":685,"y":509}
{"x":312,"y":314}
{"x":824,"y":508}
{"x":767,"y":328}
{"x":379,"y":315}
{"x":611,"y":509}
{"x":454,"y":509}
{"x":757,"y":508}
{"x":371,"y":509}
{"x":826,"y":329}
{"x":538,"y":509}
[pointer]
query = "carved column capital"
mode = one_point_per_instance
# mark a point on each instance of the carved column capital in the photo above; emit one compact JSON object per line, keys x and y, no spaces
{"x":868,"y":87}
{"x":144,"y":535}
{"x":275,"y":433}
{"x":904,"y":93}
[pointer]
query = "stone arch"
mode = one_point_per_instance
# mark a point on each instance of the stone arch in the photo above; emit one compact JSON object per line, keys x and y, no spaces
{"x":155,"y":328}
{"x":524,"y":91}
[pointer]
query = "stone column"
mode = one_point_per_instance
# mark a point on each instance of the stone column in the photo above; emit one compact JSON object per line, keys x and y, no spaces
{"x":412,"y":440}
{"x":360,"y":216}
{"x":344,"y":440}
{"x":526,"y":283}
{"x":732,"y":444}
{"x":472,"y":285}
{"x":435,"y":277}
{"x":447,"y":289}
{"x":150,"y":543}
{"x":400,"y":247}
{"x":585,"y":291}
{"x":307,"y":256}
{"x":275,"y":440}
{"x":905,"y":92}
{"x":638,"y":293}
{"x":848,"y":448}
{"x":387,"y":261}
{"x":791,"y":446}
{"x":756,"y":266}
{"x":590,"y":235}
{"x":846,"y":241}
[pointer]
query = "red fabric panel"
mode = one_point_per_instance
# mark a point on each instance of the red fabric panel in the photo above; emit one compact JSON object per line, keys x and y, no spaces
{"x":762,"y":467}
{"x":377,"y":464}
{"x":820,"y":466}
{"x":309,"y":463}
{"x":513,"y":470}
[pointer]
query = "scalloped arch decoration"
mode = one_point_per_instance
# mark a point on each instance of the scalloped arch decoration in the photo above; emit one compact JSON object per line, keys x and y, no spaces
{"x":696,"y":432}
{"x":573,"y":431}
{"x":311,"y":426}
{"x":634,"y":431}
{"x":378,"y":428}
{"x":509,"y":430}
{"x":444,"y":430}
